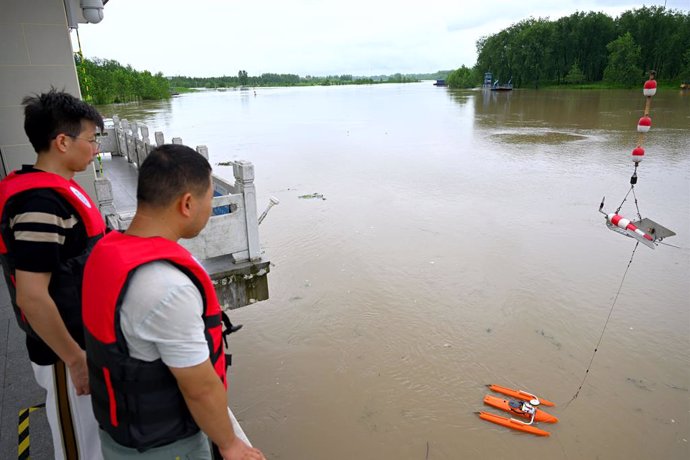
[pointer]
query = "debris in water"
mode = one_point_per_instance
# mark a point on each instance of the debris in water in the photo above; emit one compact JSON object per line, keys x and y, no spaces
{"x":674,"y":387}
{"x":639,"y":384}
{"x":310,"y":196}
{"x":551,"y":338}
{"x":226,"y":163}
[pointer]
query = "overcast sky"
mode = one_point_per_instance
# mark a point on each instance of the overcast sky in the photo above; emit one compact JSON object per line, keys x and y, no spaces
{"x":313,"y":37}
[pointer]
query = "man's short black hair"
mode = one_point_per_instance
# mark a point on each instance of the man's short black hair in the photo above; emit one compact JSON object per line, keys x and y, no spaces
{"x":49,"y":114}
{"x":169,"y":171}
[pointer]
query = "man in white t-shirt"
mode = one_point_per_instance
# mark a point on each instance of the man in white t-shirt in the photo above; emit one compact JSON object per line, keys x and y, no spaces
{"x":153,"y":325}
{"x":160,"y":316}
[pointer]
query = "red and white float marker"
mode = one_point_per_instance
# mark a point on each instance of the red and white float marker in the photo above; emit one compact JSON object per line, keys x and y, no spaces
{"x":649,"y":89}
{"x":637,"y":154}
{"x":644,"y":124}
{"x":621,"y":222}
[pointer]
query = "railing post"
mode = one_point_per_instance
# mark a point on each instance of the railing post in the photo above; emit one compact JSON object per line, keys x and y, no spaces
{"x":126,"y":144}
{"x":119,"y":141}
{"x":244,"y":184}
{"x":160,"y":139}
{"x":145,"y":134}
{"x":203,"y":150}
{"x":138,"y":149}
{"x":104,"y":196}
{"x":145,"y":143}
{"x":177,"y":140}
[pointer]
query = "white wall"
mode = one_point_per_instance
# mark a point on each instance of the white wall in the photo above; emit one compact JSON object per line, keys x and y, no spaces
{"x":35,"y":54}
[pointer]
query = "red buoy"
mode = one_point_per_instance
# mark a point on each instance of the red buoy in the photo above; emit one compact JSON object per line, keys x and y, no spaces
{"x":637,"y":154}
{"x":649,"y":88}
{"x":644,"y":124}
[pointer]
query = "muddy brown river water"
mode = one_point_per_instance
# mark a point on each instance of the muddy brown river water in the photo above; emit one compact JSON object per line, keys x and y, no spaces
{"x":457,"y":244}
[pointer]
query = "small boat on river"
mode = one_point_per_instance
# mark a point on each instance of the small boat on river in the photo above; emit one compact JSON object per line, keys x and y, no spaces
{"x":489,"y":83}
{"x":505,"y":87}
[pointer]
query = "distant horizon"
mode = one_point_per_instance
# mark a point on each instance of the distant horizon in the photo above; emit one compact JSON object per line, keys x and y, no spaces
{"x":316,"y":76}
{"x":275,"y":73}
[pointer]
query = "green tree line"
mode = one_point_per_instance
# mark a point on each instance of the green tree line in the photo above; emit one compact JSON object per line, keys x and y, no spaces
{"x":585,"y":48}
{"x":105,"y":81}
{"x":275,"y":79}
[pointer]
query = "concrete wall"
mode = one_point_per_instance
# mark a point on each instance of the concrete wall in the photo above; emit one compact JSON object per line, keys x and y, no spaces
{"x":35,"y":54}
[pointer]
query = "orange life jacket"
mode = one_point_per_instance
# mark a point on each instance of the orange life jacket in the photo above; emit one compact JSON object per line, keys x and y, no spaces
{"x":65,"y":285}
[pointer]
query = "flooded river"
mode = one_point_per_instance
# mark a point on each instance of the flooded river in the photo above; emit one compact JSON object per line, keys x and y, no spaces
{"x":457,"y":244}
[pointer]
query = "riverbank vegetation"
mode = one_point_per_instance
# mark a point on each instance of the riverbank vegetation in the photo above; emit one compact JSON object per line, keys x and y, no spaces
{"x":586,"y":49}
{"x":273,"y":79}
{"x":105,"y":81}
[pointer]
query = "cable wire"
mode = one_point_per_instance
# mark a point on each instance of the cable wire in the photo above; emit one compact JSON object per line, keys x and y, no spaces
{"x":589,"y":366}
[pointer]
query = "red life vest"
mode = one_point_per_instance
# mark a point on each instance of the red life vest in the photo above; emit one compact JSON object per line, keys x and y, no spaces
{"x":138,"y":402}
{"x":65,"y":283}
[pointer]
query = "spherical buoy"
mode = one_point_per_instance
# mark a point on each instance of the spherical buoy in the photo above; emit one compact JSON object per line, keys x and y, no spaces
{"x":644,"y":124}
{"x":637,"y":154}
{"x":649,"y":88}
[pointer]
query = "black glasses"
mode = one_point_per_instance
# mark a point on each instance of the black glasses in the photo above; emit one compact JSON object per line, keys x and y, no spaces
{"x":94,"y":143}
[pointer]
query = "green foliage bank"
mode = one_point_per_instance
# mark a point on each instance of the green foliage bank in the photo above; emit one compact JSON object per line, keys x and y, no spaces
{"x":273,"y":79}
{"x":586,"y":48}
{"x":104,"y":81}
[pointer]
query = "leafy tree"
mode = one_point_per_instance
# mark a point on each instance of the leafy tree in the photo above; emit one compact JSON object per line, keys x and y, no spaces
{"x":575,"y":74}
{"x":684,"y":73}
{"x":533,"y":51}
{"x":461,"y":78}
{"x":105,"y":81}
{"x":242,"y":77}
{"x":624,"y":61}
{"x":592,"y":32}
{"x":532,"y":60}
{"x":663,"y":36}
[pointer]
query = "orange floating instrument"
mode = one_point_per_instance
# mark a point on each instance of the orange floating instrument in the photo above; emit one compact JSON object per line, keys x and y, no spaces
{"x":515,"y":408}
{"x":526,"y":407}
{"x":513,"y":423}
{"x":519,"y":394}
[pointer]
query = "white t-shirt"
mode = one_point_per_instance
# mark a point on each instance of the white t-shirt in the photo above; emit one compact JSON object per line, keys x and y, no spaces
{"x":160,"y":316}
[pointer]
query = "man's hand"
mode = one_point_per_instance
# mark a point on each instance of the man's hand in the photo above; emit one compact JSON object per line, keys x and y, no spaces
{"x":207,"y":401}
{"x":79,"y":373}
{"x":238,"y":450}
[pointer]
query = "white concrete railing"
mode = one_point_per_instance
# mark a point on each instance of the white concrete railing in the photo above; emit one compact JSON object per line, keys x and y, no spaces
{"x":235,"y":233}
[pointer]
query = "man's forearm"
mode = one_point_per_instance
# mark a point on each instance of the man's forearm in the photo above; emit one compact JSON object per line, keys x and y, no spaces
{"x":210,"y":412}
{"x":207,"y":401}
{"x":43,"y":316}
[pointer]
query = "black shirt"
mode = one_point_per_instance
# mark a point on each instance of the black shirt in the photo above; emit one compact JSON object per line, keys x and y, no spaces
{"x":45,"y":230}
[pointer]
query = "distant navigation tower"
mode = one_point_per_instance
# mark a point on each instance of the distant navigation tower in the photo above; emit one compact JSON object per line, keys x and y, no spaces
{"x":488,"y":80}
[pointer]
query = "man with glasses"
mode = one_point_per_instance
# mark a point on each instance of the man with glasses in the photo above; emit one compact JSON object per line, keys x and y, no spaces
{"x":48,"y":225}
